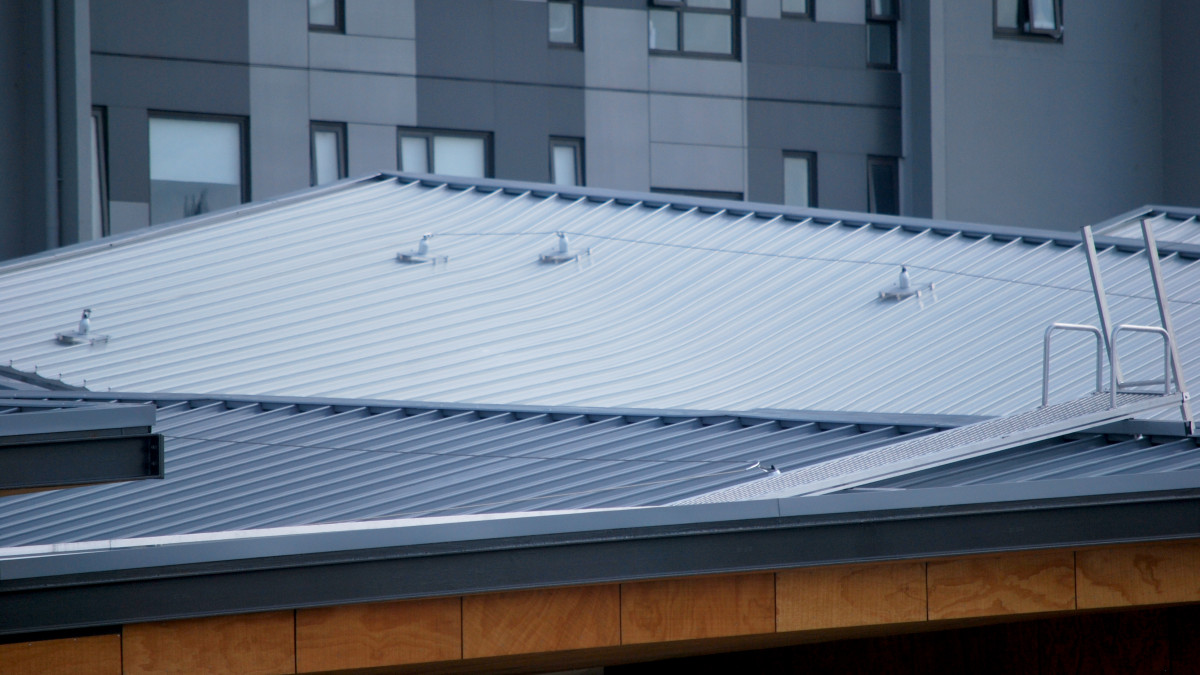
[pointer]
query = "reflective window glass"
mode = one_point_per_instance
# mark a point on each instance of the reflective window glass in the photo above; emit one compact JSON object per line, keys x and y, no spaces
{"x":195,"y":167}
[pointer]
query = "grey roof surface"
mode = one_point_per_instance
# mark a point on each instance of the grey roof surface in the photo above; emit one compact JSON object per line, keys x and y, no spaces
{"x":242,"y":464}
{"x":1085,"y":455}
{"x":681,"y":304}
{"x":1173,"y":224}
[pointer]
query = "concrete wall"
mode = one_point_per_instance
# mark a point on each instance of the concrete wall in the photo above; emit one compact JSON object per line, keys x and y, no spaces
{"x":1047,"y":134}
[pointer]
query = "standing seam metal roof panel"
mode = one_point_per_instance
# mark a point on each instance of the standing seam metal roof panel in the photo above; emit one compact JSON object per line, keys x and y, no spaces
{"x":677,"y":306}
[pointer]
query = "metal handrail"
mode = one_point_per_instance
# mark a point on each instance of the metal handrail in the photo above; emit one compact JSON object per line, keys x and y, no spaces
{"x":1100,"y":343}
{"x":1115,"y":383}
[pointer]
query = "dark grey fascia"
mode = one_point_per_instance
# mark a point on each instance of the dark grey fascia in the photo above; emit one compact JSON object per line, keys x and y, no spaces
{"x":67,"y":591}
{"x":48,"y":444}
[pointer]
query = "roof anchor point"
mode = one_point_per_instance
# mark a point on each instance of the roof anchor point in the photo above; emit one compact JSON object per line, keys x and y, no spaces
{"x":562,"y":252}
{"x":421,"y":254}
{"x":904,"y":287}
{"x":82,"y":332}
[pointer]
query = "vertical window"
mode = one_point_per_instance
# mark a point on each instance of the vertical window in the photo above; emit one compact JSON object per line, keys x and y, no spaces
{"x":566,"y":161}
{"x":800,"y":178}
{"x":197,"y":165}
{"x":565,"y":18}
{"x":1041,"y":18}
{"x":328,"y":152}
{"x":883,"y":185}
{"x":700,"y":27}
{"x":882,"y":16}
{"x":450,"y":153}
{"x":327,"y":15}
{"x":99,"y":225}
{"x":801,"y":9}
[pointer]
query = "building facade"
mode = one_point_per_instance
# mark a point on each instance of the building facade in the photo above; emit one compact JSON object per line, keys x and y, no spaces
{"x":129,"y":113}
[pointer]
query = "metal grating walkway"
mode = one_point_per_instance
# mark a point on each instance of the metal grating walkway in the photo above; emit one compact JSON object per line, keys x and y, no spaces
{"x":933,"y":450}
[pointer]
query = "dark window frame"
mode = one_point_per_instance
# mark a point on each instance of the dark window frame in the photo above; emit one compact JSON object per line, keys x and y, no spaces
{"x":1024,"y":29}
{"x":428,"y":133}
{"x":578,"y":14}
{"x":894,"y":164}
{"x":573,"y":142}
{"x":893,"y":16}
{"x":100,"y":147}
{"x":807,"y":15}
{"x":729,"y":195}
{"x":890,"y":64}
{"x":812,"y":174}
{"x":339,"y":129}
{"x":243,"y":123}
{"x":339,"y":19}
{"x":680,"y":8}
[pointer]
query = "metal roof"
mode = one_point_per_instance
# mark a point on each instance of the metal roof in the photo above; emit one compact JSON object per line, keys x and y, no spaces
{"x":681,"y":303}
{"x":236,"y":464}
{"x":1171,"y":224}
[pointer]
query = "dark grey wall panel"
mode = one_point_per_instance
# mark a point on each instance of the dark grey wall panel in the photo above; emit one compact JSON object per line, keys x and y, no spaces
{"x":522,"y":150}
{"x":455,"y":38}
{"x":23,"y":170}
{"x":818,"y":127}
{"x":521,"y":41}
{"x":456,"y":104}
{"x":129,"y":154}
{"x":841,"y":178}
{"x":806,"y":43}
{"x":1181,"y":102}
{"x":780,"y":82}
{"x":213,"y":30}
{"x":184,"y":86}
{"x":917,"y":175}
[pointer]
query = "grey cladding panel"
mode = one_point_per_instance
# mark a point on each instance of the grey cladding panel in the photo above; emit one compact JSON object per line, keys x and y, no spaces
{"x":455,"y":104}
{"x":362,"y":97}
{"x":521,"y":35}
{"x":333,"y":51}
{"x":819,"y":127}
{"x":615,"y":48}
{"x":279,"y":131}
{"x":279,"y":33}
{"x":806,"y":43}
{"x":128,"y":155}
{"x":879,"y":88}
{"x":381,"y":18}
{"x":370,"y":148}
{"x":456,"y":38}
{"x":185,"y":86}
{"x":842,"y":181}
{"x":214,"y":30}
{"x":526,"y":117}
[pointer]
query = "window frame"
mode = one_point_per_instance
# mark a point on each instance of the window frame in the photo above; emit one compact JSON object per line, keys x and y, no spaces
{"x":894,"y":164}
{"x":728,"y":195}
{"x":429,"y":134}
{"x":811,"y":157}
{"x":577,"y":44}
{"x":893,"y":16}
{"x":243,"y":125}
{"x":890,"y":64}
{"x":575,"y":143}
{"x":1024,"y":29}
{"x":805,"y":16}
{"x":339,"y":19}
{"x":339,"y":129}
{"x":680,"y":8}
{"x":100,"y":164}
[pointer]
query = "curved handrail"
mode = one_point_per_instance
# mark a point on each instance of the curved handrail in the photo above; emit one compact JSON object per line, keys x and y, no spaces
{"x":1046,"y":355}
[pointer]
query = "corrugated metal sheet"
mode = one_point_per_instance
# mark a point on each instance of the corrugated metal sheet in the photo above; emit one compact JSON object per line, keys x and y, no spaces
{"x":675,"y":307}
{"x":245,"y":465}
{"x":1075,"y":456}
{"x":1176,"y":226}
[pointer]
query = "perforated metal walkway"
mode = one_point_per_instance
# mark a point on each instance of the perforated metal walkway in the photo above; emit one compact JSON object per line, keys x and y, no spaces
{"x":948,"y":446}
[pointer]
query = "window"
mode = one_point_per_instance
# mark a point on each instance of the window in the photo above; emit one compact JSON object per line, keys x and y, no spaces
{"x":450,"y":153}
{"x":882,"y":16}
{"x":1037,"y":18}
{"x":565,"y":18}
{"x":706,"y":194}
{"x":699,"y":27}
{"x":801,"y":9}
{"x":327,"y":15}
{"x":99,"y":225}
{"x":197,"y":165}
{"x":566,"y":161}
{"x":800,"y":178}
{"x":883,"y":185}
{"x":328,"y":152}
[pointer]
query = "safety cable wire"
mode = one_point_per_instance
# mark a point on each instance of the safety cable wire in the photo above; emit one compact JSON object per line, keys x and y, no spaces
{"x":813,"y":258}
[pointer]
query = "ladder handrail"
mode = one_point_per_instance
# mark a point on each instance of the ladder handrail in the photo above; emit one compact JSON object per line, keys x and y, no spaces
{"x":1100,"y":349}
{"x":1115,"y":383}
